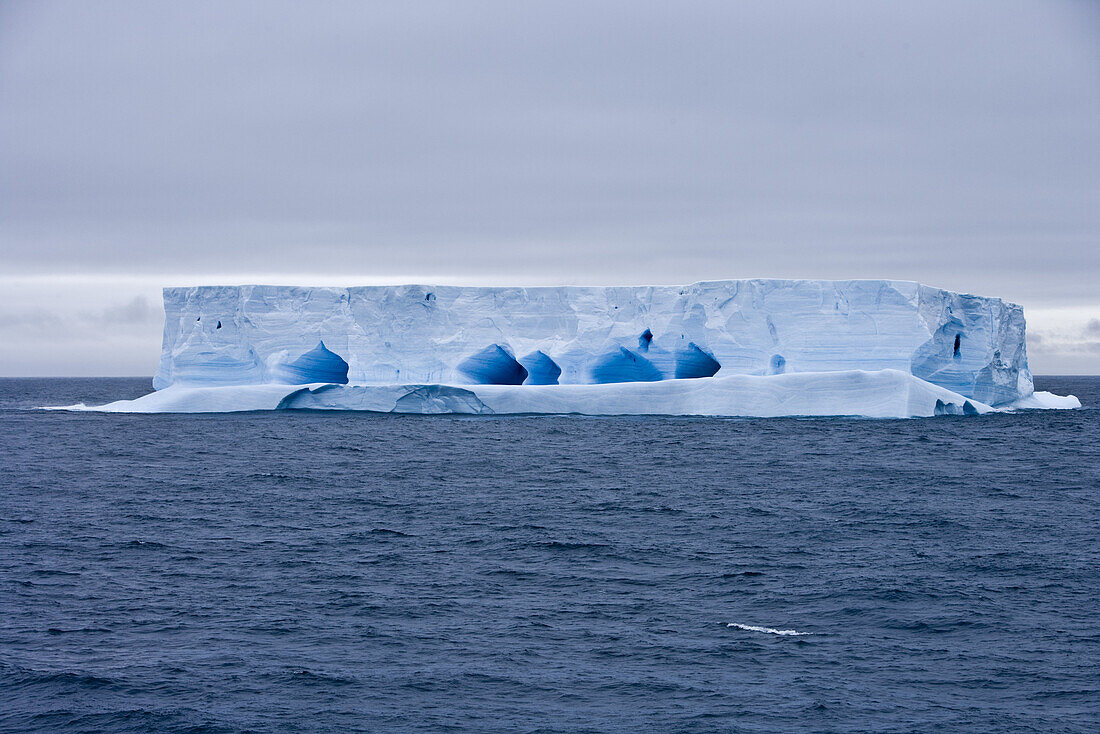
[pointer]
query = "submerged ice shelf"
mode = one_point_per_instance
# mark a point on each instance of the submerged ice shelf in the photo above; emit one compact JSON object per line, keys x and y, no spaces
{"x":732,"y":347}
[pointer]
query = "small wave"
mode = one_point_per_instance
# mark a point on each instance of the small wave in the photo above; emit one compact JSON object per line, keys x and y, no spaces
{"x":144,"y":544}
{"x":767,"y":630}
{"x":310,"y":677}
{"x":387,"y":531}
{"x":566,"y":545}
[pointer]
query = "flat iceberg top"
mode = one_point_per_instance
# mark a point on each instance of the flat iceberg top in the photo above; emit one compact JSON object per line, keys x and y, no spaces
{"x":583,"y":335}
{"x":766,"y":283}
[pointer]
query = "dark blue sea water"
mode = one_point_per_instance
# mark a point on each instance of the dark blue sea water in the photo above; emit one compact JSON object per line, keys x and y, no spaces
{"x":355,"y":572}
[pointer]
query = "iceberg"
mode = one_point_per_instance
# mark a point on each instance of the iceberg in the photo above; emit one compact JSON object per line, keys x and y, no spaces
{"x":876,"y":348}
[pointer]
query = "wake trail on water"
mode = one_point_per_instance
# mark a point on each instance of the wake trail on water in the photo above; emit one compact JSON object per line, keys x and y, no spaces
{"x":767,"y":630}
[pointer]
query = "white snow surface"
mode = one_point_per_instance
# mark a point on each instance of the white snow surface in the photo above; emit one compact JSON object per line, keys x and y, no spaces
{"x":878,"y":394}
{"x":869,"y":334}
{"x":1042,"y":400}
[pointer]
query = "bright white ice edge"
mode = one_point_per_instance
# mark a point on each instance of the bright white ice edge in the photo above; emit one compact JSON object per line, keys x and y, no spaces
{"x":767,"y":630}
{"x":870,"y":394}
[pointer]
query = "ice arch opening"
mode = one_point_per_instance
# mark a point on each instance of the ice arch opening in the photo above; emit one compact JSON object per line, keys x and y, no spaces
{"x":493,"y":365}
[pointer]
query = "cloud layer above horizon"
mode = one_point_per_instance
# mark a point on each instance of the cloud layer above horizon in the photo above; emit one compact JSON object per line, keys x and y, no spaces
{"x":144,"y":144}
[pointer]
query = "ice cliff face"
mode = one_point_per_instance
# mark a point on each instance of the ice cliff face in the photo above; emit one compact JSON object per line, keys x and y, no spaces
{"x":234,"y":335}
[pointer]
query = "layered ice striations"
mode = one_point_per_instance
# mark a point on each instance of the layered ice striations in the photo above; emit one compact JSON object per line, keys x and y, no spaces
{"x":531,"y":337}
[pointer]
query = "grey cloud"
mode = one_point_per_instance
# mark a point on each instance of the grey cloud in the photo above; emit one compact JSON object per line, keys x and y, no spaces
{"x":63,"y":321}
{"x":35,"y":320}
{"x":554,"y":139}
{"x":1065,"y":343}
{"x":135,"y":311}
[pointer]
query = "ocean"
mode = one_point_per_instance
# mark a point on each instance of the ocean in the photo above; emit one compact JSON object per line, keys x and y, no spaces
{"x":338,"y":572}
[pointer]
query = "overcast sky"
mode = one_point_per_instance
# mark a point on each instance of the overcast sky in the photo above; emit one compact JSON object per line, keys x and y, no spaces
{"x":147,"y":144}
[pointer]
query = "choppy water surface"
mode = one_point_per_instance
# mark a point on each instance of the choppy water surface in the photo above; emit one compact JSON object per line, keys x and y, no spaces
{"x":340,"y":572}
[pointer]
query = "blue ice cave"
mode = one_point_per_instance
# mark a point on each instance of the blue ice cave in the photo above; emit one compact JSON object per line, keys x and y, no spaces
{"x":623,"y":365}
{"x":317,"y":365}
{"x":493,"y":365}
{"x":541,"y":370}
{"x":691,"y":361}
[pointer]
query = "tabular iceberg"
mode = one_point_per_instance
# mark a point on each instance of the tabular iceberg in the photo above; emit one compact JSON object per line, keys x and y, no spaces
{"x":730,"y":347}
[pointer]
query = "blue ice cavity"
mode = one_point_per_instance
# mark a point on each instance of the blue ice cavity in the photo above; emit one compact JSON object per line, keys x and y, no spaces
{"x":623,"y":365}
{"x":777,"y":365}
{"x":541,"y":370}
{"x":317,"y":365}
{"x":493,"y":365}
{"x":692,"y":361}
{"x":644,"y":340}
{"x":942,"y":408}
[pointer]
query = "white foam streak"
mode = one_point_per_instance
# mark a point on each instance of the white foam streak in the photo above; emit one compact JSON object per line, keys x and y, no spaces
{"x":767,"y":630}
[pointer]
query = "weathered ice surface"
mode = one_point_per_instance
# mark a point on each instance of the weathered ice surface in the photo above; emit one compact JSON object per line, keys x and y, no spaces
{"x":450,"y":335}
